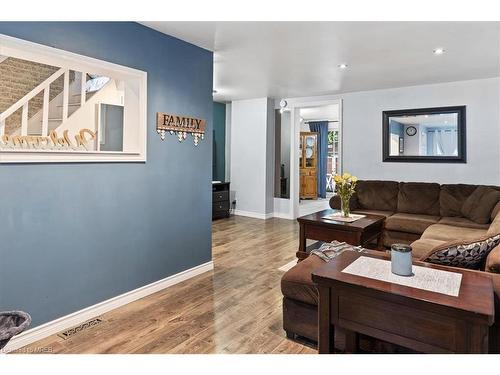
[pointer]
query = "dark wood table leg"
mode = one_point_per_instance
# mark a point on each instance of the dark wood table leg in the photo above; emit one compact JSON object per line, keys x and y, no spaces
{"x":380,"y":241}
{"x":351,"y":341}
{"x":326,"y":331}
{"x":478,"y":339}
{"x":301,"y":253}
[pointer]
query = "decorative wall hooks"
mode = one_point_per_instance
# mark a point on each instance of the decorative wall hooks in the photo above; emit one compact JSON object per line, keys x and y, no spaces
{"x":180,"y":126}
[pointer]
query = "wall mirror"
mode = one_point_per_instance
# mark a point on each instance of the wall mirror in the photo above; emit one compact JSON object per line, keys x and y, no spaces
{"x":58,"y":106}
{"x":435,"y":135}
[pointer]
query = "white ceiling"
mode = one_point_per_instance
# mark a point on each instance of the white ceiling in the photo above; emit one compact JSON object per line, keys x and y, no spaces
{"x":291,"y":59}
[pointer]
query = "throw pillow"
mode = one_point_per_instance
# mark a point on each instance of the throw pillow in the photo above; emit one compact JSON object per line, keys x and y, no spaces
{"x":465,"y":254}
{"x":480,"y":203}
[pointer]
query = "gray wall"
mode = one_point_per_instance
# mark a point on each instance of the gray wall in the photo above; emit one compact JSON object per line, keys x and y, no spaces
{"x":270,"y":156}
{"x":363,"y":132}
{"x":77,"y":234}
{"x":112,"y":120}
{"x":252,"y":155}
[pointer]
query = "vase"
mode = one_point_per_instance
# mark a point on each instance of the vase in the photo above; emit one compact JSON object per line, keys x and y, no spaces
{"x":344,"y":206}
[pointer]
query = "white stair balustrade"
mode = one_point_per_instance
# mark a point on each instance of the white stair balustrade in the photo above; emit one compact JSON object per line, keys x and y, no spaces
{"x":24,"y":103}
{"x":72,"y":109}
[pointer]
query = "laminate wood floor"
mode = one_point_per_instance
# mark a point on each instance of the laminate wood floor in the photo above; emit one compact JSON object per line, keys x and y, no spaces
{"x":235,"y":309}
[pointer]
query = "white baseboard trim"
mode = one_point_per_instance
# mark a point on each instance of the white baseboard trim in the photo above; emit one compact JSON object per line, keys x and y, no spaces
{"x":255,"y":215}
{"x":73,"y":319}
{"x":282,"y":215}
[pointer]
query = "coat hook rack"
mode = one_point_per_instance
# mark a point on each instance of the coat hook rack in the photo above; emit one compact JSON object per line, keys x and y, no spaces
{"x":180,"y":126}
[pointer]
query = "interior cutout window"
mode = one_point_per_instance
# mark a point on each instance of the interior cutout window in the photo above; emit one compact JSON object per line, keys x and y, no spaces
{"x":59,"y":106}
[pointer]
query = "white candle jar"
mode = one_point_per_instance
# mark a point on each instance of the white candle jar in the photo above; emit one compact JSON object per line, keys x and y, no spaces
{"x":401,"y":260}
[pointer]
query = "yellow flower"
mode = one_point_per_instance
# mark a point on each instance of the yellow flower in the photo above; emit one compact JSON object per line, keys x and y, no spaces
{"x":354,"y":179}
{"x":337,"y":178}
{"x":346,"y":176}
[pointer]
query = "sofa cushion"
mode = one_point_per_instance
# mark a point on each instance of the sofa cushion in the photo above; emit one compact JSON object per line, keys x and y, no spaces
{"x":452,"y":198}
{"x":451,"y":233}
{"x":463,"y":253}
{"x":297,"y":284}
{"x":423,"y":246}
{"x":419,"y":198}
{"x":374,"y":212}
{"x":493,"y":261}
{"x":410,"y":223}
{"x":462,"y":222}
{"x":495,"y":212}
{"x":480,"y":204}
{"x":377,"y":195}
{"x":390,"y":237}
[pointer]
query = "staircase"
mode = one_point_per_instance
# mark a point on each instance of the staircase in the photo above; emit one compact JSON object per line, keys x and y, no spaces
{"x":56,"y":107}
{"x":77,"y":89}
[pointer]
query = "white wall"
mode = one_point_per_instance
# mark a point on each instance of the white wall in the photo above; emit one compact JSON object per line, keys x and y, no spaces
{"x":412,"y":143}
{"x":270,"y":156}
{"x":304,"y":127}
{"x":228,"y":143}
{"x":362,"y":131}
{"x":252,"y":156}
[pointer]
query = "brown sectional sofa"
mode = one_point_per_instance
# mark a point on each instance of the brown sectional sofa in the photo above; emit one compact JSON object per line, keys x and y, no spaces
{"x":424,"y":215}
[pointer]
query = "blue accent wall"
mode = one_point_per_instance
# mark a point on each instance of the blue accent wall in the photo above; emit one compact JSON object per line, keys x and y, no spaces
{"x":73,"y":235}
{"x":219,"y":145}
{"x":396,"y":128}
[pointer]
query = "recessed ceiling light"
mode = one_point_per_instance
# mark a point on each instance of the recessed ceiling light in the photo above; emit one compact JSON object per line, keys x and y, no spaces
{"x":342,"y":66}
{"x":438,"y":51}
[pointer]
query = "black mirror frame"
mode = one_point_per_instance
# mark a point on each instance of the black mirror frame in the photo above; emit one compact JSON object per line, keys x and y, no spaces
{"x":461,"y":134}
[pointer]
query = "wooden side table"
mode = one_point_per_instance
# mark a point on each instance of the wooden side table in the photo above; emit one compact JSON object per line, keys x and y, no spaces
{"x":358,"y":233}
{"x":417,"y":319}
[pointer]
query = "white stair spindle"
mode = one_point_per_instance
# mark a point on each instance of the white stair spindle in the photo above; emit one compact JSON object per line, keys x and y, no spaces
{"x":65,"y":96}
{"x":45,"y":111}
{"x":24,"y":120}
{"x":2,"y":127}
{"x":82,"y":91}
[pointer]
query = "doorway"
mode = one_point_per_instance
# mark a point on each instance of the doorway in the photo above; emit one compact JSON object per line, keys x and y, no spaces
{"x":318,"y":138}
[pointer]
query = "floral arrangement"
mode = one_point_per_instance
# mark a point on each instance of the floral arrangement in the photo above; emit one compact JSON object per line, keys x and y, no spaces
{"x":345,"y":186}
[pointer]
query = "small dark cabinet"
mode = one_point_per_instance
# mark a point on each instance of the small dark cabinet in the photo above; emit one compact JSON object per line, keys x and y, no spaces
{"x":220,"y":200}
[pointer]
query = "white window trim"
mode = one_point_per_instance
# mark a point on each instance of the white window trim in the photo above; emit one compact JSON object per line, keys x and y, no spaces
{"x":22,"y":49}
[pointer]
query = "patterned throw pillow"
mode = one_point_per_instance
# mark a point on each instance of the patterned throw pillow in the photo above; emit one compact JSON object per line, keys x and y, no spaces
{"x":464,"y":254}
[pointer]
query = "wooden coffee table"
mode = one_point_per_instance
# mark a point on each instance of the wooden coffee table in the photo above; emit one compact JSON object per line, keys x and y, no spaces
{"x":358,"y":233}
{"x":417,"y":319}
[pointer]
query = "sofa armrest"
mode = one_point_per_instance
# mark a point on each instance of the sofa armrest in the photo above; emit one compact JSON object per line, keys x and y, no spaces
{"x":493,"y":261}
{"x":353,"y":202}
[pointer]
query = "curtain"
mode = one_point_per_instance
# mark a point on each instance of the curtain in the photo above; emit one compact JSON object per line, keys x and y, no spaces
{"x":442,"y":142}
{"x":321,"y":127}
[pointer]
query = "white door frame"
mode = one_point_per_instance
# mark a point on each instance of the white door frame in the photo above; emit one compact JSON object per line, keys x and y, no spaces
{"x":295,"y":107}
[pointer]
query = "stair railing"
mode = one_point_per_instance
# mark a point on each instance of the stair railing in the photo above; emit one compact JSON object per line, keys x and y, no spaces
{"x":45,"y":87}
